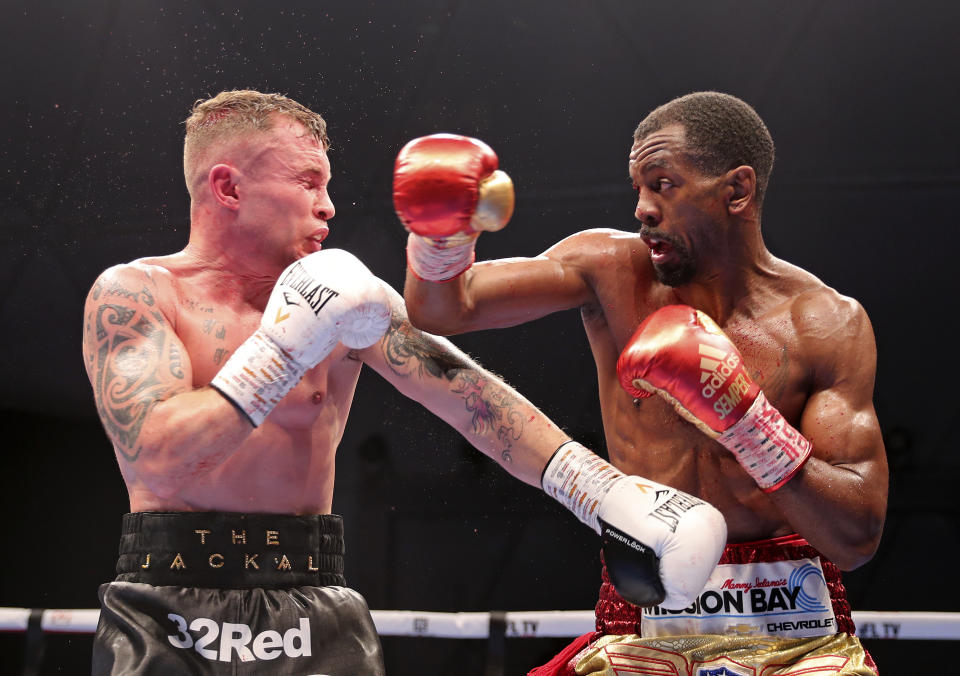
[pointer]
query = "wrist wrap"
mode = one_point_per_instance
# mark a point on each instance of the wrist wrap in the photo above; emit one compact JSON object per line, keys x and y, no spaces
{"x":766,"y":445}
{"x":579,"y":479}
{"x":257,"y":376}
{"x":442,"y":259}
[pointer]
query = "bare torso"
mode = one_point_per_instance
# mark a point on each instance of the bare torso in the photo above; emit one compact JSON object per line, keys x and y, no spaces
{"x":647,"y":437}
{"x":286,"y":465}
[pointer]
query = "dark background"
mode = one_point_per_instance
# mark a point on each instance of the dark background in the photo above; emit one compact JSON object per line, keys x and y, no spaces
{"x":861,"y":98}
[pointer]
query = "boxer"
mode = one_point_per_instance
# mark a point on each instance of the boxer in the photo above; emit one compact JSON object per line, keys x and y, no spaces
{"x":224,"y":374}
{"x":749,"y":387}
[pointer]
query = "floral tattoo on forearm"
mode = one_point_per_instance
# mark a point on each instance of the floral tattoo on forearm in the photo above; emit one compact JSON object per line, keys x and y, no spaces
{"x":493,"y":407}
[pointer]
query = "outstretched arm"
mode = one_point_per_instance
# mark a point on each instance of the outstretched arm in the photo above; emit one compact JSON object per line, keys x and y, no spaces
{"x":505,"y":292}
{"x":660,"y":544}
{"x":494,"y":294}
{"x":492,"y":416}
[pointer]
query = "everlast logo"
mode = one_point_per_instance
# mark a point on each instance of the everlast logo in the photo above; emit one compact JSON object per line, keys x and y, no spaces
{"x":673,"y":508}
{"x":236,"y":637}
{"x":317,"y":295}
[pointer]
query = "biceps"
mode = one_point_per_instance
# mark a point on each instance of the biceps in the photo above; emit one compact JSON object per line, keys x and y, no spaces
{"x":843,"y":432}
{"x":133,"y":360}
{"x":519,"y":290}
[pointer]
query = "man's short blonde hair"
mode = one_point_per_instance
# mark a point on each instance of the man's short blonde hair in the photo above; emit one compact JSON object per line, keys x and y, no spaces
{"x":234,"y":114}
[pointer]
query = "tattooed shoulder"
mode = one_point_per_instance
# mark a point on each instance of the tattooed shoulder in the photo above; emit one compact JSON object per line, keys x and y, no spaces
{"x":133,"y":358}
{"x":113,"y":287}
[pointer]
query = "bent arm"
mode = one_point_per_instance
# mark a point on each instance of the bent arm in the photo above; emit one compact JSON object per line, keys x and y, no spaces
{"x":165,"y":432}
{"x":500,"y":293}
{"x":492,"y":416}
{"x":838,"y":500}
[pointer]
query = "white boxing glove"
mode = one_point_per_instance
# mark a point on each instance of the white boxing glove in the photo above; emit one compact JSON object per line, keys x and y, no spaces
{"x":318,"y":301}
{"x":660,"y":544}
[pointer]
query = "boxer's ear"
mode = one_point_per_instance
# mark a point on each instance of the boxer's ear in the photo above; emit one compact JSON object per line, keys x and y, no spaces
{"x":222,"y":182}
{"x":741,"y":188}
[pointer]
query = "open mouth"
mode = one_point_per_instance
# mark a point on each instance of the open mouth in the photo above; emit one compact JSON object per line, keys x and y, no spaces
{"x":659,"y":248}
{"x":317,"y":238}
{"x":313,"y":243}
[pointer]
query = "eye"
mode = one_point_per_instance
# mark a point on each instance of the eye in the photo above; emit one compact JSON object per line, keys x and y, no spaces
{"x":661,"y":184}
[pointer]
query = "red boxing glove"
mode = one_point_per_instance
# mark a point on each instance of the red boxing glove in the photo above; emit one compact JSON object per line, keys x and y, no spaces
{"x":446,"y":190}
{"x":681,"y":354}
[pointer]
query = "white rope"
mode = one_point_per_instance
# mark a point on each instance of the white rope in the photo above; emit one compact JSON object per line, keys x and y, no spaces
{"x":523,"y":624}
{"x":927,"y":626}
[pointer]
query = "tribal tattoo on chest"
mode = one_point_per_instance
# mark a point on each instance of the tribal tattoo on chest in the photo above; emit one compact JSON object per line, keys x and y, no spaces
{"x":493,"y":408}
{"x":131,"y":361}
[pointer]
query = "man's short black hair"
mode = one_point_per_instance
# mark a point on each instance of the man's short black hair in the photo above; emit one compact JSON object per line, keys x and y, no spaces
{"x":722,"y":132}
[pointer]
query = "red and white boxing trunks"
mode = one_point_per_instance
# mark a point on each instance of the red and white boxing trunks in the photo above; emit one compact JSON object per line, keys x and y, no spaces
{"x":770,"y":607}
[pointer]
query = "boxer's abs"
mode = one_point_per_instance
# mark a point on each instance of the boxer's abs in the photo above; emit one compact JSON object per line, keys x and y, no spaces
{"x":647,"y":438}
{"x":275,"y":471}
{"x":287,"y":464}
{"x":645,"y":445}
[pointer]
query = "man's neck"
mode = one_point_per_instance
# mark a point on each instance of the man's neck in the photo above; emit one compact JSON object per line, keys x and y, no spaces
{"x":736,"y":274}
{"x":232,"y":274}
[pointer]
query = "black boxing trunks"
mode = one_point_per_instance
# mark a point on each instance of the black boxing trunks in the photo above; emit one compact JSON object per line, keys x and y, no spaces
{"x":768,"y":605}
{"x":222,"y":593}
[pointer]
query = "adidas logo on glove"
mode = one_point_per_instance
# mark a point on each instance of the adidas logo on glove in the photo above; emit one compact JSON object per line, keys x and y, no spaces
{"x":716,"y":366}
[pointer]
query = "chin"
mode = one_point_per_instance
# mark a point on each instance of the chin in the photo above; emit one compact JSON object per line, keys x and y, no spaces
{"x":675,"y":276}
{"x":309,"y":248}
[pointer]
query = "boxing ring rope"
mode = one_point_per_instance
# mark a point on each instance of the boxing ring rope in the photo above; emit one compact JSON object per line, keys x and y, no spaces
{"x":907,"y":625}
{"x":494,"y":626}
